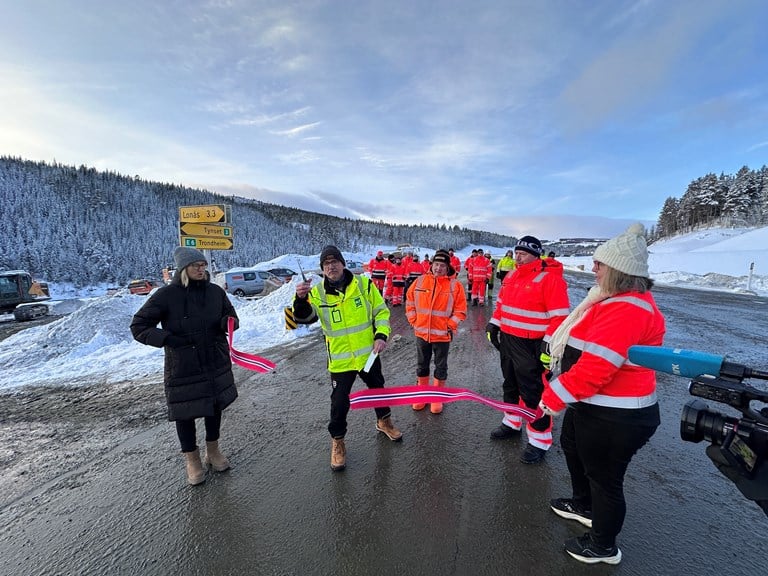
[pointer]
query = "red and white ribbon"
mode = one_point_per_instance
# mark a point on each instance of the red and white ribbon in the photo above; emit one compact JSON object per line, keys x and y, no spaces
{"x":399,"y":395}
{"x":244,"y":359}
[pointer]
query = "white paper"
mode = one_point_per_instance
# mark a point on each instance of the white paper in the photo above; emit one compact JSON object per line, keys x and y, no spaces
{"x":370,"y":361}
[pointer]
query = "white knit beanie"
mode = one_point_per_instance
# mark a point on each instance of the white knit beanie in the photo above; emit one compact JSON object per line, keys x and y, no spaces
{"x":626,"y":253}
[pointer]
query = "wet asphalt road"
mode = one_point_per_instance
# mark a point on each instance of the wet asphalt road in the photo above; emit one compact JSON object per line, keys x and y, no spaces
{"x":445,"y":501}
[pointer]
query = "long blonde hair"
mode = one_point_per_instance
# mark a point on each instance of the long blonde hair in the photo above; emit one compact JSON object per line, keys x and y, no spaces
{"x":615,"y":282}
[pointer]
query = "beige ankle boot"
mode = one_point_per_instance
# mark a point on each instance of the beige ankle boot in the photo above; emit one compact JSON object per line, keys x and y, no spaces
{"x":195,"y":471}
{"x":338,"y":454}
{"x":420,"y":381}
{"x":215,"y":458}
{"x":437,"y":407}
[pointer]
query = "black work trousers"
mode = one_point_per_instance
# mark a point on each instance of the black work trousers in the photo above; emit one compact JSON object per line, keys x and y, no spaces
{"x":522,"y":371}
{"x":424,"y":352}
{"x":341,"y":384}
{"x":597,"y":453}
{"x":187,"y":431}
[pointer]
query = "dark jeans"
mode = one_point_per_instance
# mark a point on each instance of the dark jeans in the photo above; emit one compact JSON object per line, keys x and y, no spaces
{"x":597,"y":453}
{"x":522,"y":371}
{"x":341,"y":383}
{"x":424,"y":351}
{"x":188,"y":433}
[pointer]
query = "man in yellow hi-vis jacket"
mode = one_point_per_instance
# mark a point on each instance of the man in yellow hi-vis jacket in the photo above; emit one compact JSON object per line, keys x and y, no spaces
{"x":355,"y":321}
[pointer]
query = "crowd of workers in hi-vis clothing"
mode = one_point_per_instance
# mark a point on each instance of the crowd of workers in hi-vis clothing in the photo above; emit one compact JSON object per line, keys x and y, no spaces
{"x":560,"y":361}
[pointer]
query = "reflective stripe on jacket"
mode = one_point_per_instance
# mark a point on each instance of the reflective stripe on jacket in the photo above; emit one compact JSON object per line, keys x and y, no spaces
{"x":595,"y":365}
{"x":378,"y":268}
{"x":482,"y":269}
{"x":350,"y":320}
{"x":434,"y":306}
{"x":532,"y":302}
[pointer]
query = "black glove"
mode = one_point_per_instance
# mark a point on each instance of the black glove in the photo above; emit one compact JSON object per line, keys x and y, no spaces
{"x":492,"y":332}
{"x":173,"y":341}
{"x":225,"y":323}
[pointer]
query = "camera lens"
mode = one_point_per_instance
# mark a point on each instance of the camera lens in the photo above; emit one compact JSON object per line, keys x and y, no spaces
{"x":698,"y":423}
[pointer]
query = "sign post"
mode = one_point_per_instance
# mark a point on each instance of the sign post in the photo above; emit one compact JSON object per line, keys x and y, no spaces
{"x":206,"y":227}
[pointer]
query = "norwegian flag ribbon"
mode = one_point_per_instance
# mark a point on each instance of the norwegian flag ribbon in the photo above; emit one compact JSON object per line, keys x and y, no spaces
{"x":244,"y":359}
{"x":399,"y":395}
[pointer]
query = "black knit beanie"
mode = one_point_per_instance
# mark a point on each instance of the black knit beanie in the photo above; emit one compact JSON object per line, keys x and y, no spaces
{"x":331,"y":252}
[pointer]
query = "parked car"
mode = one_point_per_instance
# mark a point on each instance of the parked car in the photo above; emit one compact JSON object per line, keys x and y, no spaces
{"x":285,"y":273}
{"x":355,"y":267}
{"x":249,"y":282}
{"x":142,"y":286}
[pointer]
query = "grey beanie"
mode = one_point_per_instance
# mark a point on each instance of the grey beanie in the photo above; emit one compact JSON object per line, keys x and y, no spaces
{"x":626,"y":252}
{"x":184,"y":256}
{"x":331,"y":252}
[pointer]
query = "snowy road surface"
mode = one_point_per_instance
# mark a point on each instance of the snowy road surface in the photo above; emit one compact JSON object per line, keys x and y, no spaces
{"x":93,"y":482}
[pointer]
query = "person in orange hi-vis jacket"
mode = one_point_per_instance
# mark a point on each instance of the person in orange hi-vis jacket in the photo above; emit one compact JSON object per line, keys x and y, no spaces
{"x":434,"y":306}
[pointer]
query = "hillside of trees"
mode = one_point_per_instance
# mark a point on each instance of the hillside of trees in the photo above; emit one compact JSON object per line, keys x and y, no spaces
{"x":710,"y":201}
{"x":79,"y":225}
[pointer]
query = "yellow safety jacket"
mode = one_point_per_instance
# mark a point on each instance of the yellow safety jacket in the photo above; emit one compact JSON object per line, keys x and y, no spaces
{"x":350,"y":321}
{"x":505,"y":264}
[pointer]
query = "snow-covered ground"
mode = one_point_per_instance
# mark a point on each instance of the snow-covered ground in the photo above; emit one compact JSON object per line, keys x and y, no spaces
{"x":93,"y":342}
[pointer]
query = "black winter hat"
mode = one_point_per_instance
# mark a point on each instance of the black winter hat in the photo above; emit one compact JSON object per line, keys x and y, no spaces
{"x":445,"y":258}
{"x":529,"y":244}
{"x":331,"y":252}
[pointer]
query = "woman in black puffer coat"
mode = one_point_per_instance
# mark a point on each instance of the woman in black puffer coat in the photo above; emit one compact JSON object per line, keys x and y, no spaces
{"x":199,"y":383}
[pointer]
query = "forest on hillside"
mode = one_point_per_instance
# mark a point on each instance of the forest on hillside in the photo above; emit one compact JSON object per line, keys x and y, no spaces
{"x":80,"y":225}
{"x":739,"y":199}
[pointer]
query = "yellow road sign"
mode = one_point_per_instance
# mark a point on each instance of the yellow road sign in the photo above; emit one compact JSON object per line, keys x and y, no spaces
{"x":205,"y":230}
{"x":206,"y":243}
{"x":209,"y":213}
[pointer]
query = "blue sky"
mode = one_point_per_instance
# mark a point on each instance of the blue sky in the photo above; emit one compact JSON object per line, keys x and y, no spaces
{"x":554,"y":118}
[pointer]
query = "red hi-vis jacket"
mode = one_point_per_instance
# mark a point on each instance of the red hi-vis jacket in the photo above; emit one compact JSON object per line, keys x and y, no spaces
{"x":481,"y":269}
{"x":378,"y":268}
{"x":532,"y":301}
{"x":434,"y":306}
{"x":602,"y":375}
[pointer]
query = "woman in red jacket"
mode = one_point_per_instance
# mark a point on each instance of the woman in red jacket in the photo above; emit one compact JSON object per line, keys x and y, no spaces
{"x":612,"y":409}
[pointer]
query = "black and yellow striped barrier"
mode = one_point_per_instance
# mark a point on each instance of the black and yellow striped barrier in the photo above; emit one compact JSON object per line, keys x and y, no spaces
{"x":290,"y":321}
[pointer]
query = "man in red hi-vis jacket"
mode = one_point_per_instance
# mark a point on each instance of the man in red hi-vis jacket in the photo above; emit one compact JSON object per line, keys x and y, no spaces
{"x":482,"y":270}
{"x":377,"y":268}
{"x":532,"y":303}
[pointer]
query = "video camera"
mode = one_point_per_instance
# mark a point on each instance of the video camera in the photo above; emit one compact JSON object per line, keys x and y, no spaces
{"x":739,"y":446}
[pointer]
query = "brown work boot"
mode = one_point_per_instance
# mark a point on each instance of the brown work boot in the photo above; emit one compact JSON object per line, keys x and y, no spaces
{"x":338,"y":454}
{"x":437,"y":407}
{"x":195,"y":470}
{"x":421,"y":381}
{"x":214,"y":458}
{"x":385,"y":425}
